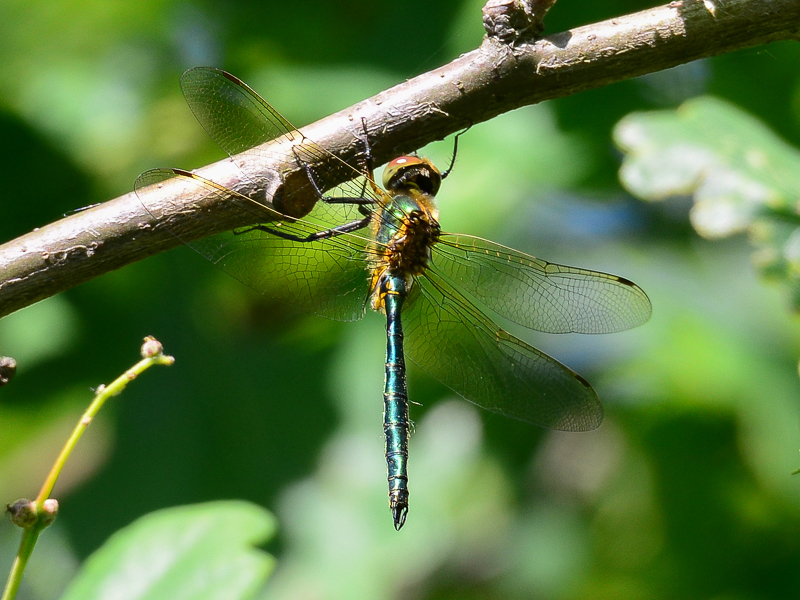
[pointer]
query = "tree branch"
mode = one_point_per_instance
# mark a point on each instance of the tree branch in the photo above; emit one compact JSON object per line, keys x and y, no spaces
{"x":493,"y":79}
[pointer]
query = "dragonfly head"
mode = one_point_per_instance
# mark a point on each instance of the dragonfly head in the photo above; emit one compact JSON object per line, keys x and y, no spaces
{"x":406,"y":172}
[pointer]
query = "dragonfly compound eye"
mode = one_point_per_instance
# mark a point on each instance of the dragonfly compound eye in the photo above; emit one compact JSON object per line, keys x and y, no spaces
{"x":406,"y":171}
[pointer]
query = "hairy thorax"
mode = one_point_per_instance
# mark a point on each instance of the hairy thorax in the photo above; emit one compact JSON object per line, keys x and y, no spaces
{"x":405,"y":231}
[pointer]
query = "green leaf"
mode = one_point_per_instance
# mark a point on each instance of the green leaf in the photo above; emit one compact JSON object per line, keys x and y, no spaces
{"x":195,"y":552}
{"x":734,"y":166}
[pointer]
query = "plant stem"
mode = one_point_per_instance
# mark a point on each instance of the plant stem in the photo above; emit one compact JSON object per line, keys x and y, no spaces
{"x":103,"y":394}
{"x":42,"y":511}
{"x":26,"y":546}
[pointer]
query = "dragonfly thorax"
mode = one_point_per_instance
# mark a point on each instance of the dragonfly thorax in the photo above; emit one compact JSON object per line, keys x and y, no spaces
{"x":407,"y":230}
{"x":409,"y":250}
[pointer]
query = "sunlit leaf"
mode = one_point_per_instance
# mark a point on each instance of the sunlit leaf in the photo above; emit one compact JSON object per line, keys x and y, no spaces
{"x":198,"y":552}
{"x":735,"y":168}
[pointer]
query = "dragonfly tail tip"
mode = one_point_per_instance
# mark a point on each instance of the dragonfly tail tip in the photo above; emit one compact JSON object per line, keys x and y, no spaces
{"x":399,"y":514}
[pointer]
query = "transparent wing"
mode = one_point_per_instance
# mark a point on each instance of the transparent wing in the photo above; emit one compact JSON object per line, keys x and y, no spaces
{"x":325,"y":277}
{"x":450,"y":339}
{"x":239,"y":120}
{"x":537,"y":294}
{"x":231,"y":113}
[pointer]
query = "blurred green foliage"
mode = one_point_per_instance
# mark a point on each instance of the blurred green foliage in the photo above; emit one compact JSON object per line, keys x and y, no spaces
{"x":684,"y":492}
{"x":741,"y":176}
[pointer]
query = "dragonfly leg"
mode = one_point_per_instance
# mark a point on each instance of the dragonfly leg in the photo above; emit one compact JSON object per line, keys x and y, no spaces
{"x":361,"y":201}
{"x":369,"y":161}
{"x":449,"y":168}
{"x":320,"y":235}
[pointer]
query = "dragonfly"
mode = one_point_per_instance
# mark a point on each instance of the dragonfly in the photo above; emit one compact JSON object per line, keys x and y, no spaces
{"x":363,"y":247}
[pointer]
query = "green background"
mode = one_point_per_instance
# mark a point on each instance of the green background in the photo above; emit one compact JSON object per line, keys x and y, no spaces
{"x":684,"y":492}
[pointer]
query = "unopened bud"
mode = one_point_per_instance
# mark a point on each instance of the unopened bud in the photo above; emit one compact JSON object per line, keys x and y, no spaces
{"x":22,"y":513}
{"x":151,"y":347}
{"x":49,"y":511}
